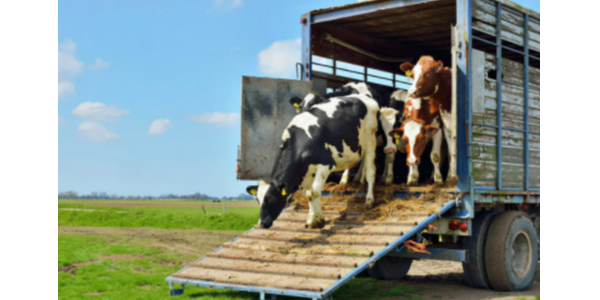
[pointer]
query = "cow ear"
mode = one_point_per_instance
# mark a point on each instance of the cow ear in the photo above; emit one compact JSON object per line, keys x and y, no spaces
{"x":396,"y":131}
{"x":439,"y":65}
{"x":406,"y":67}
{"x":431,"y":130}
{"x":252,"y":190}
{"x":295,"y":102}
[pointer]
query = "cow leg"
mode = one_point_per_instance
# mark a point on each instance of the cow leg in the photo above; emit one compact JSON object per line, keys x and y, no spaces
{"x":388,"y":171}
{"x":369,"y":171}
{"x":345,"y":176}
{"x":360,"y":173}
{"x":435,"y":157}
{"x":449,"y":128}
{"x":413,"y":175}
{"x":315,"y":214}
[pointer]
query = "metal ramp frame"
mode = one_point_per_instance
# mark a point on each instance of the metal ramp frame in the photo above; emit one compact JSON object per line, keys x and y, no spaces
{"x":326,"y":293}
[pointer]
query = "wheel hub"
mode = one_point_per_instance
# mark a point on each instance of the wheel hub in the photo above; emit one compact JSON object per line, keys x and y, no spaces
{"x":522,"y":254}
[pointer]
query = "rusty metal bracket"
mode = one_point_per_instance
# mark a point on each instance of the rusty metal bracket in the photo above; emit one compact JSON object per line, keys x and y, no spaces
{"x":416,"y":247}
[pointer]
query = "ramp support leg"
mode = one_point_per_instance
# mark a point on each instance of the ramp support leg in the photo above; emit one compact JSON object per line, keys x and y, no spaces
{"x":174,"y":291}
{"x":263,"y":296}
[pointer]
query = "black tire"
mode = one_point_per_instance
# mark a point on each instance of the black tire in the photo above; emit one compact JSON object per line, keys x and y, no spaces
{"x":474,"y":268}
{"x":390,"y":268}
{"x":511,"y":252}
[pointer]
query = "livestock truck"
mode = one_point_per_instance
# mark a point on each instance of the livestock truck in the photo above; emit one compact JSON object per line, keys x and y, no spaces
{"x":492,"y":222}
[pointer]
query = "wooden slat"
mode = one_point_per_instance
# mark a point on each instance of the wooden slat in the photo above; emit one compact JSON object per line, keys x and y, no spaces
{"x":255,"y":279}
{"x":281,"y":225}
{"x":309,"y":248}
{"x":484,"y":14}
{"x":298,"y":259}
{"x":272,"y":268}
{"x":310,"y":237}
{"x":534,"y":177}
{"x":402,"y":219}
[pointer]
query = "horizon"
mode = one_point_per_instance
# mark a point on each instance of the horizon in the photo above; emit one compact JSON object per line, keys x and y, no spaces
{"x":152,"y":107}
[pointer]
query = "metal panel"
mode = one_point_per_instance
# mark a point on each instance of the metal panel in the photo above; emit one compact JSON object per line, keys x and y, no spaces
{"x":374,"y":6}
{"x":463,"y":84}
{"x":306,"y":51}
{"x":499,"y":96}
{"x":266,"y":112}
{"x":526,"y":101}
{"x":436,"y":254}
{"x":478,"y":79}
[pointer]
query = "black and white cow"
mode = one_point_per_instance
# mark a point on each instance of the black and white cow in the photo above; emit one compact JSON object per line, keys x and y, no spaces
{"x":331,"y":136}
{"x":391,"y":105}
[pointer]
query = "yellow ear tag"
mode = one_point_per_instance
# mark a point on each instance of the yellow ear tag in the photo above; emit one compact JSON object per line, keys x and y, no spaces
{"x":253,"y":192}
{"x":397,"y":136}
{"x":409,"y":73}
{"x":296,"y":105}
{"x":283,"y":193}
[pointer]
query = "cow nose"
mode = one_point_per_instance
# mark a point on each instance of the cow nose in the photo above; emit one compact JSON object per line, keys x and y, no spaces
{"x":266,"y":225}
{"x":411,"y":161}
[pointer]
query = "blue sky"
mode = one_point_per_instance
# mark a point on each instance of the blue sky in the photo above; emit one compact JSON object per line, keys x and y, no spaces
{"x":149,"y":91}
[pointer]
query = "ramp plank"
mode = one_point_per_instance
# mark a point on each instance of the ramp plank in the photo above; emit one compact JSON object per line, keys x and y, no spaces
{"x":309,"y":248}
{"x":354,"y":228}
{"x":304,"y":259}
{"x":256,"y":279}
{"x":319,"y":237}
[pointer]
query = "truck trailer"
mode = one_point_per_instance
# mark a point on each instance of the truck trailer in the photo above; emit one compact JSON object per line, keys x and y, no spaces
{"x":489,"y":220}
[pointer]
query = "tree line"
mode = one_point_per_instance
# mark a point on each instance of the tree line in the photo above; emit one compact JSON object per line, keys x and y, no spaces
{"x":195,"y":196}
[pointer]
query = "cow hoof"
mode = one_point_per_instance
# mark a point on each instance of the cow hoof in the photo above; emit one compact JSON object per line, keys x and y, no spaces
{"x":439,"y":180}
{"x":315,"y":224}
{"x":369,"y":203}
{"x":452,"y":180}
{"x":412,"y":182}
{"x":389,"y":180}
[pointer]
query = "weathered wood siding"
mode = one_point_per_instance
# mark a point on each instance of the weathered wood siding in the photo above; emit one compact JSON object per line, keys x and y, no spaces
{"x":485,"y":166}
{"x":484,"y":20}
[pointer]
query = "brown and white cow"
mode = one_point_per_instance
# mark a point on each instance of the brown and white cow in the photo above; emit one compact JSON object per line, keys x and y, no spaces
{"x":432,"y":83}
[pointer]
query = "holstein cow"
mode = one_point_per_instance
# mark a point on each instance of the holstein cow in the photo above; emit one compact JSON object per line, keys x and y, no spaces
{"x":331,"y":136}
{"x":389,"y":113}
{"x":432,"y":82}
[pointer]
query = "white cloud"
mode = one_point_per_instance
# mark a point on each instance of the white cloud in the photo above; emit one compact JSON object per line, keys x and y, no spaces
{"x":99,"y":111}
{"x":237,"y":3}
{"x":159,"y":126}
{"x":215,"y":118}
{"x":280,"y":58}
{"x":60,"y":121}
{"x":99,"y":64}
{"x":95,"y":132}
{"x":69,"y":67}
{"x":66,"y":88}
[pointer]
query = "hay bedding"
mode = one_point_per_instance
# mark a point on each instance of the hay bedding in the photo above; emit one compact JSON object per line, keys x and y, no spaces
{"x":344,"y":198}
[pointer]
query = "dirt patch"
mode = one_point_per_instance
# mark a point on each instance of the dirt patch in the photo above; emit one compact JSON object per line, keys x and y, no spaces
{"x":68,"y":269}
{"x":147,"y":287}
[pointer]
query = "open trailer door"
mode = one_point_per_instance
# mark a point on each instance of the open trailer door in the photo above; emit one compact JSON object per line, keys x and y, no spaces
{"x":266,"y":112}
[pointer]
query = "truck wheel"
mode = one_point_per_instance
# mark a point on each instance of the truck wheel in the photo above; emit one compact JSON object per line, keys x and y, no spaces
{"x":511,"y":252}
{"x":390,"y":268}
{"x":474,"y":268}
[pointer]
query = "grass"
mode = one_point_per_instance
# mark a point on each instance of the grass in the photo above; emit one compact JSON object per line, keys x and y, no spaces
{"x":113,"y":269}
{"x":104,"y":202}
{"x":158,"y":217}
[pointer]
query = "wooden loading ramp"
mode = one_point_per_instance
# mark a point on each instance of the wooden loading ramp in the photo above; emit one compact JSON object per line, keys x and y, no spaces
{"x":290,"y":260}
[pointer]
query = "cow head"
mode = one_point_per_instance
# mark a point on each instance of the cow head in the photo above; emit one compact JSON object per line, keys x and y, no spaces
{"x":426,"y":75}
{"x":415,"y":134}
{"x":272,"y":200}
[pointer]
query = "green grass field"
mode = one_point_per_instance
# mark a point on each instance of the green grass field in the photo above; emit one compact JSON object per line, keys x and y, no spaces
{"x":123,"y":253}
{"x":95,"y":267}
{"x":77,"y":214}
